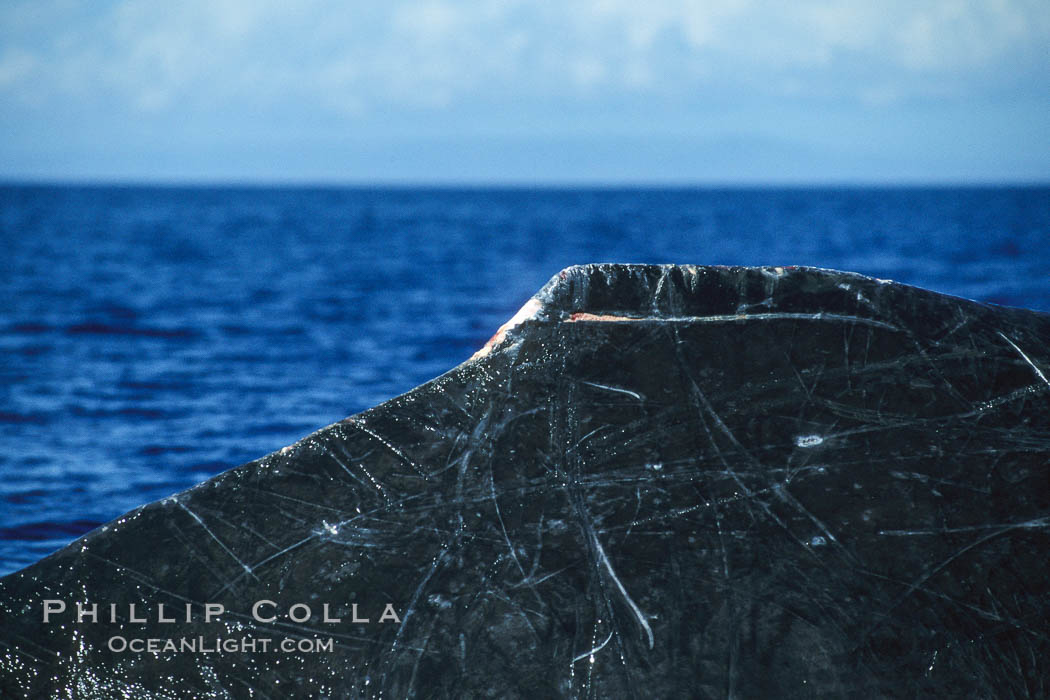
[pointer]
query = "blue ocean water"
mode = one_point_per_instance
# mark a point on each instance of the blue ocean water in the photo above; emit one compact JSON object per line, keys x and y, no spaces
{"x":152,"y":337}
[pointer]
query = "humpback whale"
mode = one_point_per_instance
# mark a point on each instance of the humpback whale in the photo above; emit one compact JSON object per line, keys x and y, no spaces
{"x":654,"y":481}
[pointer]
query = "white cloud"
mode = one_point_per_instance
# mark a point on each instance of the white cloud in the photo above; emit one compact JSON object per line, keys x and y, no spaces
{"x":156,"y":56}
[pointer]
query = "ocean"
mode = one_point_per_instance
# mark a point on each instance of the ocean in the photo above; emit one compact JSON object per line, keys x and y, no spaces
{"x":152,"y":337}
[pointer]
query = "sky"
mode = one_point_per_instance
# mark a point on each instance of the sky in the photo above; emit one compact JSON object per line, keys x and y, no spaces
{"x":588,"y":91}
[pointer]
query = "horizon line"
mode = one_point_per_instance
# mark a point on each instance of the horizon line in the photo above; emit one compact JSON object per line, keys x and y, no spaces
{"x":522,"y":184}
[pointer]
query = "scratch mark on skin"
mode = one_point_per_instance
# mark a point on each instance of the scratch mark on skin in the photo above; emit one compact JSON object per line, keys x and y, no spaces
{"x":313,"y":536}
{"x":722,"y":544}
{"x":808,"y":390}
{"x":419,"y":655}
{"x":597,"y":556}
{"x":919,"y":583}
{"x":282,"y":496}
{"x":781,"y":491}
{"x":284,"y":551}
{"x":616,"y":389}
{"x":1028,"y":524}
{"x":144,"y":579}
{"x":374,"y":482}
{"x":259,"y":535}
{"x":533,"y":582}
{"x":438,"y":560}
{"x":452,"y":401}
{"x":637,"y":510}
{"x":520,"y":609}
{"x":334,"y":456}
{"x":503,"y":527}
{"x":659,"y":289}
{"x":250,"y":621}
{"x":623,"y":591}
{"x":358,"y":423}
{"x":988,"y":615}
{"x":888,"y":424}
{"x":531,"y":579}
{"x":229,"y":551}
{"x":707,"y":408}
{"x":16,"y":650}
{"x":139,"y":576}
{"x":582,"y":440}
{"x":926,"y":479}
{"x":835,"y":318}
{"x":1027,"y":359}
{"x":595,"y":650}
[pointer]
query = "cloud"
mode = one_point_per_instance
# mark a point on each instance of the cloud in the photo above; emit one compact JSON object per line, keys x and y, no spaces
{"x":153,"y":55}
{"x":509,"y":89}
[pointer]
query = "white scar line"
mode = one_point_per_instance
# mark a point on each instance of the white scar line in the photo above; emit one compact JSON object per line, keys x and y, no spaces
{"x":200,"y":522}
{"x":1026,"y":358}
{"x":623,"y":591}
{"x":616,"y":389}
{"x":595,"y":650}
